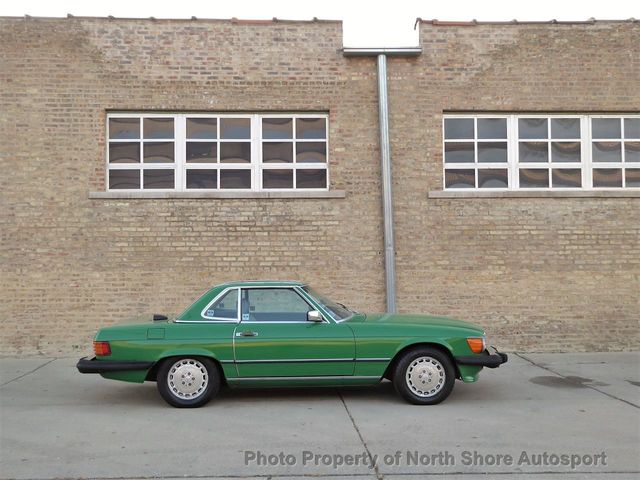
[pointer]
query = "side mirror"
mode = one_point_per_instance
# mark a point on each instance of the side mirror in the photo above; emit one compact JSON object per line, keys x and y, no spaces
{"x":314,"y":316}
{"x":159,"y":318}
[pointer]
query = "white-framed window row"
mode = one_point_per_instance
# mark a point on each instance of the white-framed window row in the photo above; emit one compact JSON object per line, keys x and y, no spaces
{"x":211,"y":152}
{"x":540,"y":151}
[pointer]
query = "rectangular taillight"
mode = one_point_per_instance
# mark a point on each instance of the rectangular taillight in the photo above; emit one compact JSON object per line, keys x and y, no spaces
{"x":101,"y":349}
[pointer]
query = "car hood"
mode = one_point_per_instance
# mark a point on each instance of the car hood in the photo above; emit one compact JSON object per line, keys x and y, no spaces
{"x":414,"y":319}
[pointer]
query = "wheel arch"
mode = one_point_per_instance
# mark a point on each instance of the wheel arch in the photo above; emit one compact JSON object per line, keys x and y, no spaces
{"x":152,"y":374}
{"x":445,"y":349}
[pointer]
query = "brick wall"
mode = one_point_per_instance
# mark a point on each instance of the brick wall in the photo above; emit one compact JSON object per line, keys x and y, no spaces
{"x":539,"y":273}
{"x":542,"y":274}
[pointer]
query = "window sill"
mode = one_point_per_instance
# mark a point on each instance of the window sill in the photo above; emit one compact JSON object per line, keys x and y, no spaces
{"x":211,"y":195}
{"x":536,"y":194}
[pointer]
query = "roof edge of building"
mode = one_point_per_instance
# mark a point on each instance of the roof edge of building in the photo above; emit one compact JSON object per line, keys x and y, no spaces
{"x":232,"y":20}
{"x":473,"y":23}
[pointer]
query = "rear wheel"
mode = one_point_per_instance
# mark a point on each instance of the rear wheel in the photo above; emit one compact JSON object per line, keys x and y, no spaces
{"x":188,"y":382}
{"x":424,"y":376}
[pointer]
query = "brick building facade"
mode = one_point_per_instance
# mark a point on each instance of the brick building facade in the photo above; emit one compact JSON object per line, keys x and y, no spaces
{"x":544,"y":269}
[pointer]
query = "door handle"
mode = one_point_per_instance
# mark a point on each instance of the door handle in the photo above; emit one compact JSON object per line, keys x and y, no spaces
{"x":246,"y":334}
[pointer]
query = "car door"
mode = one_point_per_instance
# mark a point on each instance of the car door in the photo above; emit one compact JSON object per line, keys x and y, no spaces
{"x":275,"y":339}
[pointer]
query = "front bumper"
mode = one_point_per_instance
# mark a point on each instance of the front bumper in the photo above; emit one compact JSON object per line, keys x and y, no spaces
{"x":92,"y":365}
{"x":490,"y":358}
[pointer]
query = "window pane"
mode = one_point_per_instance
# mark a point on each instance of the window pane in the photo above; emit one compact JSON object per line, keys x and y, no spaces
{"x":278,"y":128}
{"x":226,"y":307}
{"x":607,"y":152}
{"x":566,"y":178}
{"x":158,"y":152}
{"x":605,"y":128}
{"x":158,"y":128}
{"x":632,"y":151}
{"x":197,"y":178}
{"x":532,"y":128}
{"x":492,"y":128}
{"x":274,"y":152}
{"x":235,"y":152}
{"x":119,"y":179}
{"x":632,"y":128}
{"x":202,"y":128}
{"x":158,"y":178}
{"x":233,"y":128}
{"x":565,"y":128}
{"x":492,"y":178}
{"x":277,"y":178}
{"x":235,"y":179}
{"x":311,"y":152}
{"x":311,"y":178}
{"x":124,"y":128}
{"x":534,"y":152}
{"x":124,"y":152}
{"x":459,"y":152}
{"x":565,"y":151}
{"x":311,"y":128}
{"x":492,"y":152}
{"x":273,"y":305}
{"x":459,"y":178}
{"x":534,"y":177}
{"x":458,"y":128}
{"x":632,"y":177}
{"x":607,"y":177}
{"x":202,"y":152}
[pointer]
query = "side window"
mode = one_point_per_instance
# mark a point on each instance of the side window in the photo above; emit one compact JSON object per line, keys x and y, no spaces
{"x":225,"y":308}
{"x":273,"y":305}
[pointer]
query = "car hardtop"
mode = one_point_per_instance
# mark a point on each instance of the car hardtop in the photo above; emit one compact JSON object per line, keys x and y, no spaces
{"x":261,"y":283}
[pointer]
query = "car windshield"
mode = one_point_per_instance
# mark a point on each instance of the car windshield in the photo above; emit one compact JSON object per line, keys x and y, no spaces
{"x":336,"y":310}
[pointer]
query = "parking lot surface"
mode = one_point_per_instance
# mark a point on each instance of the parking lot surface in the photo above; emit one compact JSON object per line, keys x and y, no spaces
{"x":581,"y":411}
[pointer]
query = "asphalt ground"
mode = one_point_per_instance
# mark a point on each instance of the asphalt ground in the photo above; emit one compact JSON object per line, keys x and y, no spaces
{"x":539,"y":416}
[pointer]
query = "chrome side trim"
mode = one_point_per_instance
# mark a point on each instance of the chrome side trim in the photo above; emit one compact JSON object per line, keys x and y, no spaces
{"x":307,"y":360}
{"x":373,"y":359}
{"x":319,"y":377}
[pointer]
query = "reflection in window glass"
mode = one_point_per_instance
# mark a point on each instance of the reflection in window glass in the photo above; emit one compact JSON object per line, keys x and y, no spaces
{"x":492,"y":128}
{"x":311,"y":178}
{"x":311,"y":152}
{"x":277,"y":128}
{"x":566,"y":178}
{"x":124,"y":179}
{"x":533,"y":128}
{"x":534,"y":151}
{"x":158,"y":152}
{"x":124,"y":128}
{"x":460,"y":178}
{"x":272,"y":178}
{"x":607,"y":152}
{"x":235,"y":152}
{"x":492,"y":178}
{"x":632,"y":177}
{"x":235,"y":128}
{"x":495,"y":152}
{"x":124,"y":152}
{"x":202,"y":178}
{"x":202,"y":128}
{"x":273,"y":305}
{"x":277,"y":152}
{"x":156,"y":178}
{"x":534,"y":177}
{"x":565,"y":128}
{"x":605,"y":128}
{"x":158,"y":128}
{"x":632,"y":128}
{"x":202,"y":152}
{"x":565,"y":151}
{"x":311,"y":128}
{"x":235,"y":179}
{"x":458,"y":128}
{"x":459,"y":152}
{"x":607,"y":177}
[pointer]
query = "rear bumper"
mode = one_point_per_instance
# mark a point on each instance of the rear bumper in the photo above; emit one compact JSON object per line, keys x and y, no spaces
{"x":485,"y":359}
{"x":91,"y":365}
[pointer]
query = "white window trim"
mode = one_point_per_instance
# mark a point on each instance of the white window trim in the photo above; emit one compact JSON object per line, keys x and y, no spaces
{"x":180,"y":166}
{"x":586,"y":165}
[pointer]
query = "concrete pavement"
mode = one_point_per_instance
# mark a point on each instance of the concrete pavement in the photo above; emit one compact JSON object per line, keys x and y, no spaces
{"x":55,"y":422}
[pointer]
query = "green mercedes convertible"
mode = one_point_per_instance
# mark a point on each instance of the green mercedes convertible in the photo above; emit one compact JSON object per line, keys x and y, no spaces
{"x":254,"y":334}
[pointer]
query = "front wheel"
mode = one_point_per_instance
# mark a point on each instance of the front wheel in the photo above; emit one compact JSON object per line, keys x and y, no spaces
{"x":188,"y":382}
{"x":424,"y":376}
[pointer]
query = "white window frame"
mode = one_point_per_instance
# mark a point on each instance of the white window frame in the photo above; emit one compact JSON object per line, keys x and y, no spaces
{"x":180,"y":165}
{"x":513,"y":165}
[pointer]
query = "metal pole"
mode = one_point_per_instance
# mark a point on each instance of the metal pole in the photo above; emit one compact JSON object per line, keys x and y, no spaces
{"x":387,"y":197}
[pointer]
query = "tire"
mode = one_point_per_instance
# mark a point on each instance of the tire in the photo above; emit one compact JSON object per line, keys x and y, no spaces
{"x":424,"y":368}
{"x":188,"y":382}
